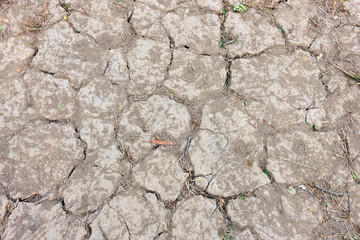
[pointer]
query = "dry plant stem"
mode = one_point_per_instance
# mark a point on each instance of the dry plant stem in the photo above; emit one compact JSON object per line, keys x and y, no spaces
{"x":347,"y":213}
{"x":41,"y":200}
{"x":332,"y":192}
{"x":303,"y":165}
{"x":120,"y":5}
{"x":184,"y":155}
{"x":271,"y":125}
{"x":6,"y":7}
{"x":187,"y":146}
{"x":350,"y":74}
{"x":229,"y":42}
{"x":217,"y":206}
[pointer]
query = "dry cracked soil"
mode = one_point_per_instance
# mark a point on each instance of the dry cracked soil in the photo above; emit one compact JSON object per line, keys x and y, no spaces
{"x":179,"y":119}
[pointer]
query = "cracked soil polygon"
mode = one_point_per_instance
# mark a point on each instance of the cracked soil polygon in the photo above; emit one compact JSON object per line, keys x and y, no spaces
{"x":49,"y":148}
{"x":91,"y":184}
{"x":148,"y":62}
{"x":196,"y":219}
{"x":295,"y":23}
{"x":275,"y":214}
{"x":50,"y":97}
{"x":98,"y":106}
{"x":102,"y":21}
{"x":161,"y":172}
{"x":146,"y":18}
{"x":298,"y":156}
{"x":280,"y":86}
{"x":200,"y":32}
{"x":341,"y":46}
{"x":134,"y":214}
{"x":253,"y":31}
{"x":14,"y":97}
{"x":157,"y":117}
{"x":194,"y":77}
{"x":68,"y":54}
{"x":229,"y":148}
{"x":117,"y":71}
{"x":341,"y":100}
{"x":42,"y":221}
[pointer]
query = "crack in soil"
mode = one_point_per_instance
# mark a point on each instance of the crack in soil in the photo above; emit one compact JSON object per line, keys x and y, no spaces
{"x":345,"y":144}
{"x":83,"y":144}
{"x":228,"y":73}
{"x":127,"y":228}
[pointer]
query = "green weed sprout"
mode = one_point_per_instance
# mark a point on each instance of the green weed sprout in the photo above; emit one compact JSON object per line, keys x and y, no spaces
{"x":240,"y":7}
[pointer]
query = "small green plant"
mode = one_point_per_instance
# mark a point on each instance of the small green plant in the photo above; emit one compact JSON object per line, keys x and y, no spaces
{"x":224,"y":11}
{"x":354,"y":176}
{"x":225,"y":235}
{"x":267,"y":174}
{"x":240,"y":7}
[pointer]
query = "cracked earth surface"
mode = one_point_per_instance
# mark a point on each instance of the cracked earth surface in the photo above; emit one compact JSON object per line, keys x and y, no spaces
{"x":259,"y":110}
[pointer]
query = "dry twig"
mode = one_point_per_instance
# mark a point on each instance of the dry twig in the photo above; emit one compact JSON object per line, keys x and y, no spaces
{"x":332,"y":192}
{"x":350,"y":74}
{"x":6,"y":7}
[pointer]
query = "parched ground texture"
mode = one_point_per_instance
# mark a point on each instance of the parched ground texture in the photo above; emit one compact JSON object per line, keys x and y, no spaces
{"x":259,"y":111}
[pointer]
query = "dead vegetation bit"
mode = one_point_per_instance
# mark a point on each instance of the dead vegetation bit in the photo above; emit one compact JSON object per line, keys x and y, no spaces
{"x":331,"y":206}
{"x":332,"y":192}
{"x":8,"y":210}
{"x":8,"y":2}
